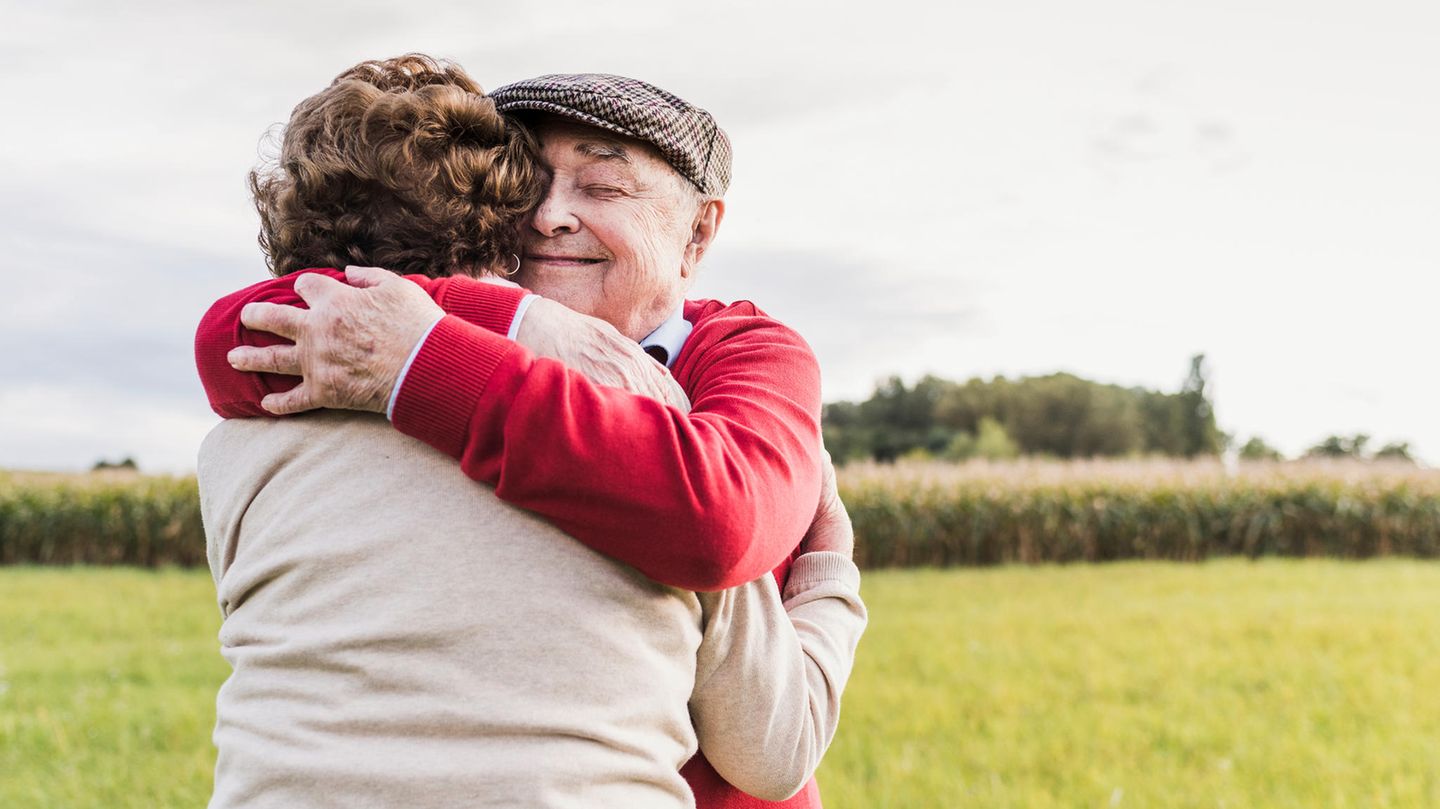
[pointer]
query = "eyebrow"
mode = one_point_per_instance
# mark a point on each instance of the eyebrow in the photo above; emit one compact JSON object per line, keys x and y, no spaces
{"x":604,"y":150}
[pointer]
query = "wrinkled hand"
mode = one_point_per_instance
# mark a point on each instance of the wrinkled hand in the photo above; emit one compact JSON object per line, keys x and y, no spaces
{"x":350,"y":345}
{"x":831,"y":530}
{"x":596,"y":349}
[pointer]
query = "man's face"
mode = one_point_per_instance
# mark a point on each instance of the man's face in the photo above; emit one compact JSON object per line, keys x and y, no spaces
{"x":614,"y":235}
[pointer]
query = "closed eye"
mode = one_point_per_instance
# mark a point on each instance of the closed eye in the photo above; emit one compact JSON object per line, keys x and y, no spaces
{"x":604,"y":191}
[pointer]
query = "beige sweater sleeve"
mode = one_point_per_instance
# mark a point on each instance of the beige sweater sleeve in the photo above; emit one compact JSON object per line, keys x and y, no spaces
{"x":770,"y":673}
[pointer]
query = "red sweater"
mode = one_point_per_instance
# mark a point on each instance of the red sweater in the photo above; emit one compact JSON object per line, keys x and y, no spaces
{"x":702,"y":501}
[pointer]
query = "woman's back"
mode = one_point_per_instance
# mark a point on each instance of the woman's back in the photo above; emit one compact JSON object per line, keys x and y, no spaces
{"x":400,"y":637}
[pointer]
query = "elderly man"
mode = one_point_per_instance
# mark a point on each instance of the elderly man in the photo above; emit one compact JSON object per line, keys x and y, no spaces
{"x":705,"y":499}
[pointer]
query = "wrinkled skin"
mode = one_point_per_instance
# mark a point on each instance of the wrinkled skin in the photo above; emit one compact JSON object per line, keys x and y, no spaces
{"x":598,"y":350}
{"x":619,"y":233}
{"x":350,"y":345}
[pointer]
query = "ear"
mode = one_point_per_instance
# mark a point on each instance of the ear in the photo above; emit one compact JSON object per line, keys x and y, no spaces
{"x":702,"y":234}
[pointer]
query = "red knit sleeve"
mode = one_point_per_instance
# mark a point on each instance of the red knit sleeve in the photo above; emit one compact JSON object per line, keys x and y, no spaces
{"x":704,"y":501}
{"x":237,"y":394}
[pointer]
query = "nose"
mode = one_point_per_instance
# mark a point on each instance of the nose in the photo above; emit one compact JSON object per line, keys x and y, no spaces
{"x":554,"y":215}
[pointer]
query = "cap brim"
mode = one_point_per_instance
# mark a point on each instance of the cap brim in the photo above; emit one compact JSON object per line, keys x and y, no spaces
{"x":533,"y":105}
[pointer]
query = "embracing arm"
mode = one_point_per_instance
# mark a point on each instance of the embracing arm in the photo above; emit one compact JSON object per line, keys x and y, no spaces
{"x":770,"y":675}
{"x":621,"y":472}
{"x":237,"y":394}
{"x":703,"y":501}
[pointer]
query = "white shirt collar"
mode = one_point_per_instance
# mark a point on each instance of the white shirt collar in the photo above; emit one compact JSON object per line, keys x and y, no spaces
{"x":669,"y":336}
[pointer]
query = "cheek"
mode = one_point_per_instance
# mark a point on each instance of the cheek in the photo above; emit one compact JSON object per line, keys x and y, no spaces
{"x":651,"y":240}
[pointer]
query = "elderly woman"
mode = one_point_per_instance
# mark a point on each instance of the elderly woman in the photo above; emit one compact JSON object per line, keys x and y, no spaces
{"x":401,"y":636}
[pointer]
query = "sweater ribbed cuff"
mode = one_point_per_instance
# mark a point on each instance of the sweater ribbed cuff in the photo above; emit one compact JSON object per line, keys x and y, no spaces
{"x":492,"y":307}
{"x":820,"y":567}
{"x":444,"y":385}
{"x":405,"y":369}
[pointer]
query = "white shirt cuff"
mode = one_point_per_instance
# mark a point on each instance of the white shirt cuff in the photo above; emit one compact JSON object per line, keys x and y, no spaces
{"x":520,"y":314}
{"x":405,"y":369}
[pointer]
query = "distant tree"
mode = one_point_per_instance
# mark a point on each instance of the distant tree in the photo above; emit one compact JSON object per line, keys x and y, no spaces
{"x":1197,"y":415}
{"x":1339,"y":446}
{"x":993,"y":443}
{"x":961,"y":407}
{"x":1162,"y":422}
{"x":902,"y":418}
{"x":1396,"y":451}
{"x":1060,"y":415}
{"x":847,"y":437}
{"x":1111,"y":425}
{"x":1046,"y":412}
{"x":127,"y":464}
{"x":1066,"y":416}
{"x":1257,"y":450}
{"x":961,"y":448}
{"x":990,"y":442}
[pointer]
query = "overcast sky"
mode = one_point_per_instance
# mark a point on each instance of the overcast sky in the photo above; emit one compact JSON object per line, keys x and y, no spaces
{"x":961,"y":189}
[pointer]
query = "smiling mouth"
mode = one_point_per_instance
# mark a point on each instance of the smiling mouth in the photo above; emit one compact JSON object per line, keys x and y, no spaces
{"x":571,"y":261}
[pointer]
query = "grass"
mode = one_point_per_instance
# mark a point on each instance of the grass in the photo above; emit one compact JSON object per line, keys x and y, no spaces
{"x":1278,"y":683}
{"x":107,"y":687}
{"x":1226,"y":684}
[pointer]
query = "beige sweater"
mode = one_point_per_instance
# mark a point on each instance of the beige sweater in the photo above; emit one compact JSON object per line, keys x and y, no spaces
{"x":401,"y":638}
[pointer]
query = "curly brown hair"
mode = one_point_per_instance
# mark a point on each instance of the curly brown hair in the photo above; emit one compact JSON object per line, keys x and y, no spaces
{"x":400,"y":163}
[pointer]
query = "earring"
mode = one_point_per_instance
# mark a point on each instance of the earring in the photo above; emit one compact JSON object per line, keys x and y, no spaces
{"x":516,"y":268}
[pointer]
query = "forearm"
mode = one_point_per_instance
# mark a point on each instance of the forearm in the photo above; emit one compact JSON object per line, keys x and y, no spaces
{"x":771,"y":675}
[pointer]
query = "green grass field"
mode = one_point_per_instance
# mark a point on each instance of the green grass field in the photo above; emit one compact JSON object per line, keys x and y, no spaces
{"x":1227,"y":684}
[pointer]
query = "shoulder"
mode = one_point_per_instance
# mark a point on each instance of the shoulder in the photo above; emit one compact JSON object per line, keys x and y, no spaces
{"x":717,"y":323}
{"x":705,"y":311}
{"x":739,"y":343}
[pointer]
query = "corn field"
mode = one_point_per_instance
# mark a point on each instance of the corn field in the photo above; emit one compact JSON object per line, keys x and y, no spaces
{"x":104,"y":518}
{"x":906,"y":515}
{"x":928,"y":514}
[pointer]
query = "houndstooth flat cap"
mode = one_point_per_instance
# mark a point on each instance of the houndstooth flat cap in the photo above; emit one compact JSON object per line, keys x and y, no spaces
{"x":687,"y":136}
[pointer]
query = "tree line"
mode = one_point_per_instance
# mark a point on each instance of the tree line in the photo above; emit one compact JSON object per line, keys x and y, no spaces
{"x":1058,"y":415}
